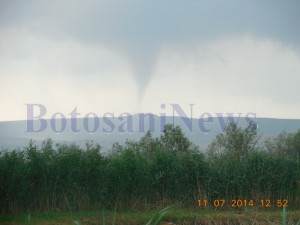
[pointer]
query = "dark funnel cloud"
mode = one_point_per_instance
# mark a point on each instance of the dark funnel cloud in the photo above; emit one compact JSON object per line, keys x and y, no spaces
{"x":138,"y":29}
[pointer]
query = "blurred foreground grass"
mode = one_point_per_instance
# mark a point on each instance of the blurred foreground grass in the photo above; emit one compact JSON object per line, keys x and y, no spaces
{"x":175,"y":216}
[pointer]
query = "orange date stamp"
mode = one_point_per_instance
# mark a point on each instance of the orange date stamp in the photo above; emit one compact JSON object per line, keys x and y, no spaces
{"x":238,"y":203}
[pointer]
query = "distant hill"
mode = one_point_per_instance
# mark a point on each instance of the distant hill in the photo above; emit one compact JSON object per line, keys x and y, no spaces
{"x":14,"y":134}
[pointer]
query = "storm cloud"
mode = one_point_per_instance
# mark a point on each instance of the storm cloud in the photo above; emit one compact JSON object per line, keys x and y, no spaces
{"x":146,"y":40}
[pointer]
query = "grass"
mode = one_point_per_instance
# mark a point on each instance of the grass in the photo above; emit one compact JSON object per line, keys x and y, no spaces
{"x":176,"y":216}
{"x":284,"y":217}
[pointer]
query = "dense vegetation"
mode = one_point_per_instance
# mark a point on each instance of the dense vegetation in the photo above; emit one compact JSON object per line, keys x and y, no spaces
{"x":151,"y":172}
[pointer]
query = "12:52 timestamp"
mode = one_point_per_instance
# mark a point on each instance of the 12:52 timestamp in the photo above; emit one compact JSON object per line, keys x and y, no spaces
{"x":237,"y":203}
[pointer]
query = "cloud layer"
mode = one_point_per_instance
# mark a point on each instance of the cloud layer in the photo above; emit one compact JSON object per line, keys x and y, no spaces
{"x":133,"y":55}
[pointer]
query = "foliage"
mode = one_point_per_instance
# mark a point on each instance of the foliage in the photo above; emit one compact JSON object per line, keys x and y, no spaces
{"x":173,"y":140}
{"x":284,"y":145}
{"x":151,"y":172}
{"x":235,"y":142}
{"x":157,"y":218}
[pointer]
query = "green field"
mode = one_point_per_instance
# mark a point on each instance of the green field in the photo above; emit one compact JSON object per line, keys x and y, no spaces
{"x":246,"y":216}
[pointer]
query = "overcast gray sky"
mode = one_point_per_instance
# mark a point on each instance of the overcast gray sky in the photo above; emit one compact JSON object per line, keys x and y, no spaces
{"x":118,"y":56}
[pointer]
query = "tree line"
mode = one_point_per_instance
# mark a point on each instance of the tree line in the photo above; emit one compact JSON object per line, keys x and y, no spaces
{"x":151,"y":172}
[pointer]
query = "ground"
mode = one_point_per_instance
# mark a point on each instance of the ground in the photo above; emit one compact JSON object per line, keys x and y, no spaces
{"x":184,"y":217}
